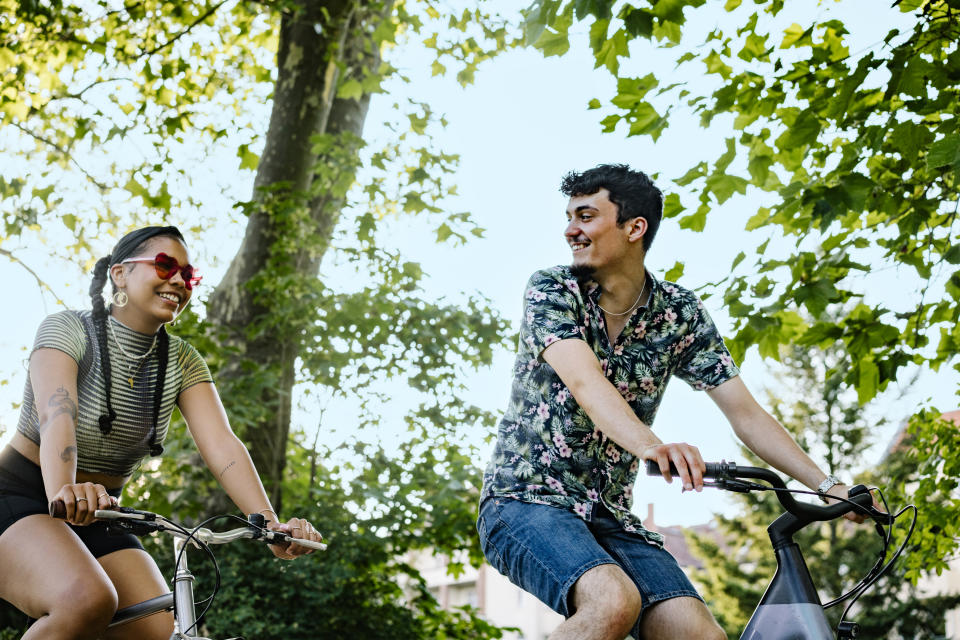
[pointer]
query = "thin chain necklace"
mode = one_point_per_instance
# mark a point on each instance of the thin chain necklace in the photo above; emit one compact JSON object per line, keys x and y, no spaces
{"x":131,"y":370}
{"x":632,"y":307}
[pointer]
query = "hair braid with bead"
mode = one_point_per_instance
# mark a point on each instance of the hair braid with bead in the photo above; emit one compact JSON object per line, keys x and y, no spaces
{"x":100,"y":274}
{"x":163,"y":354}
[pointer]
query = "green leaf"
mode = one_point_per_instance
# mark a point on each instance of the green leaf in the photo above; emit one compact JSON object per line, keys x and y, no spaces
{"x":802,"y":132}
{"x":248,"y":159}
{"x":945,"y":152}
{"x":695,"y":221}
{"x":672,"y":205}
{"x":675,"y":272}
{"x":868,"y":380}
{"x":796,"y":36}
{"x":553,"y":43}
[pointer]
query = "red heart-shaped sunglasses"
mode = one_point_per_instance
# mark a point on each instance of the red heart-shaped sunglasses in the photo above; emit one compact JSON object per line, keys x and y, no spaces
{"x":167,"y":267}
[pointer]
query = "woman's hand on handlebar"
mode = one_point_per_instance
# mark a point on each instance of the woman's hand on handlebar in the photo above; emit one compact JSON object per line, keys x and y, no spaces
{"x":82,"y":499}
{"x":685,"y":457}
{"x":295,"y":528}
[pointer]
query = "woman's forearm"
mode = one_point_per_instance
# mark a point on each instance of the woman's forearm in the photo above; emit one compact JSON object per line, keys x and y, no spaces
{"x":230,"y":462}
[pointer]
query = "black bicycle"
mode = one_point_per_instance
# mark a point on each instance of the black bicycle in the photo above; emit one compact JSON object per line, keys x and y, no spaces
{"x":791,"y":609}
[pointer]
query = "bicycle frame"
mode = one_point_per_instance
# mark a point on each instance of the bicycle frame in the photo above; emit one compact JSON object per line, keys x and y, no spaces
{"x":790,"y":608}
{"x":181,"y":600}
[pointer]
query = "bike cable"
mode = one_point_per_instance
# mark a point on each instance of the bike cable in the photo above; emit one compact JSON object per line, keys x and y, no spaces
{"x":192,"y":536}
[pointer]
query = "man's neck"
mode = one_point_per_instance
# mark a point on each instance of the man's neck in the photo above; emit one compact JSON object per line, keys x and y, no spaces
{"x":621,"y":289}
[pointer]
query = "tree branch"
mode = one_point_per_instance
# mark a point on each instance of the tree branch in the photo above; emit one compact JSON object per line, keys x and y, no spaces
{"x":43,"y":285}
{"x":69,"y":156}
{"x":169,"y":42}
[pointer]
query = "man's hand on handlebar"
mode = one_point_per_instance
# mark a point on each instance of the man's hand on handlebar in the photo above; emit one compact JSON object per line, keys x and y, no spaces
{"x":686,"y":458}
{"x":842,"y":491}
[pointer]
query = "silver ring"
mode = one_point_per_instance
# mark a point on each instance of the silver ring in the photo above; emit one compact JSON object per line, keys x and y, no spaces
{"x":100,"y":495}
{"x":79,"y":499}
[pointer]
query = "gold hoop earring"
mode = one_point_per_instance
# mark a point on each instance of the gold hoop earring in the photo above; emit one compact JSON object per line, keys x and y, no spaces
{"x":120,"y":299}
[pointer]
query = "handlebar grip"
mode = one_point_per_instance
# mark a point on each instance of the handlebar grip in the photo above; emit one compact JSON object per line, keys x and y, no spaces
{"x":713,"y":469}
{"x":57,"y":509}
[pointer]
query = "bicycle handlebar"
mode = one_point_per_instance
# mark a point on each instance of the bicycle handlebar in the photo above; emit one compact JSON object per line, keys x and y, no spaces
{"x":151,"y":522}
{"x":727,"y":475}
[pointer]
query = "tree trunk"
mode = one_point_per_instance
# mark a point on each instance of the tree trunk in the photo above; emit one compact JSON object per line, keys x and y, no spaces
{"x":316,"y":45}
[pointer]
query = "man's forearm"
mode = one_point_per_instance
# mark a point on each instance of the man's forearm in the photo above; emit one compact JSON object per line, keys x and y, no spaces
{"x":767,"y":438}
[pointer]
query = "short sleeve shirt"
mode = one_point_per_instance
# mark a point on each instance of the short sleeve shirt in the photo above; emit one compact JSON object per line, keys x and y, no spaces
{"x":133,"y":382}
{"x":548,"y":451}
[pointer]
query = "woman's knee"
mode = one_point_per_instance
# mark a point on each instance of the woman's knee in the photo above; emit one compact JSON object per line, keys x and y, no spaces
{"x":87,"y":603}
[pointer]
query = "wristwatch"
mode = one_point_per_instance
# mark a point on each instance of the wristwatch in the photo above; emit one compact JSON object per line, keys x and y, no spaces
{"x":826,"y":485}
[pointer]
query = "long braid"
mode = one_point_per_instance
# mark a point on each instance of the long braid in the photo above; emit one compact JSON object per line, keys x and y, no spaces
{"x":163,"y":354}
{"x":100,"y":272}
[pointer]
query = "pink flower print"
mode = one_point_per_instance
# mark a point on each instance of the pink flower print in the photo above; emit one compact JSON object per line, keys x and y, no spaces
{"x":538,"y":296}
{"x":543,"y":410}
{"x":571,"y":285}
{"x":634,"y":465}
{"x":629,"y":396}
{"x":595,"y":435}
{"x":562,"y":395}
{"x":726,"y":360}
{"x":531,"y":363}
{"x":545,"y":458}
{"x":603,"y":363}
{"x":583,"y":332}
{"x":554,"y":484}
{"x":550,"y":339}
{"x":640,"y":330}
{"x":670,"y":315}
{"x":529,"y":341}
{"x":580,"y":509}
{"x":618,"y":350}
{"x":647,"y":386}
{"x":613,"y":453}
{"x":558,"y":440}
{"x":592,"y":495}
{"x":671,"y":290}
{"x":564,"y":451}
{"x":628,"y":492}
{"x":622,"y":387}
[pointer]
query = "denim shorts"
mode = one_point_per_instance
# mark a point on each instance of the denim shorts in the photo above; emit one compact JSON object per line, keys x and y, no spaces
{"x":544,"y":550}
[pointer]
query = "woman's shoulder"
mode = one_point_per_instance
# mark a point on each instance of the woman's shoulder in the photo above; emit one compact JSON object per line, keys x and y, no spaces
{"x":65,"y":321}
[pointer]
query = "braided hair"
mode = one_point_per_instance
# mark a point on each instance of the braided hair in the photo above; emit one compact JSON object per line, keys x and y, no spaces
{"x":129,"y":245}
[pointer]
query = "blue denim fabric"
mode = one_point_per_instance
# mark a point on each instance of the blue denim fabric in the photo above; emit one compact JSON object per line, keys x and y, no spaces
{"x":545,"y":549}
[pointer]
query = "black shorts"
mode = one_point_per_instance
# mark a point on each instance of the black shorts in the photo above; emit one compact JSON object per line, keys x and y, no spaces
{"x":22,"y":494}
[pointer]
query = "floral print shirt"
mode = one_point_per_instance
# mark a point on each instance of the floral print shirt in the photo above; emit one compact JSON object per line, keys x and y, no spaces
{"x":548,"y":450}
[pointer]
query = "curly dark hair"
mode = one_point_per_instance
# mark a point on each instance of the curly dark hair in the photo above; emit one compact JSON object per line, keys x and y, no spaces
{"x":129,"y":245}
{"x":632,"y":191}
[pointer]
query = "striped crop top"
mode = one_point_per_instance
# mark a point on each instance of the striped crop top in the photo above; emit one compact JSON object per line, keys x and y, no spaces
{"x":120,"y":451}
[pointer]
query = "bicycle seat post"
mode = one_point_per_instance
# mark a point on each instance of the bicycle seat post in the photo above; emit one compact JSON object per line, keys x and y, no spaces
{"x":184,"y":614}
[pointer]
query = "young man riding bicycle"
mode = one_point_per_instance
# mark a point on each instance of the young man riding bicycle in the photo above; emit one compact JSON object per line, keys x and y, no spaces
{"x":599,"y":341}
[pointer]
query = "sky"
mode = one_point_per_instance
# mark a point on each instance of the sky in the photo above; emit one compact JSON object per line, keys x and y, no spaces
{"x":518,"y":129}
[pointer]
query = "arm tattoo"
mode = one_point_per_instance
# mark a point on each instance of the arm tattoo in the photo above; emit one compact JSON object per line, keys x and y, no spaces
{"x":61,"y":403}
{"x":227,"y":468}
{"x":69,"y":454}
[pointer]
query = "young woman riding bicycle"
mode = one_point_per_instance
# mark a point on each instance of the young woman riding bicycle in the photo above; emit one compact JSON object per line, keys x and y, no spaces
{"x":101,"y":388}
